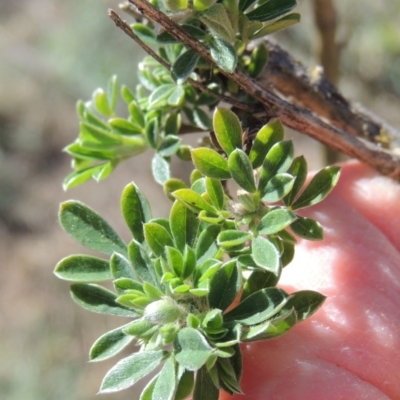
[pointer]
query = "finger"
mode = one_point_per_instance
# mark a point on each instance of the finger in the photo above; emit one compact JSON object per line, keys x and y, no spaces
{"x":351,"y":342}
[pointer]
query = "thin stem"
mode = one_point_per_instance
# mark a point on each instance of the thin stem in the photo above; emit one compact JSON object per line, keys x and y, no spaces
{"x":292,"y":115}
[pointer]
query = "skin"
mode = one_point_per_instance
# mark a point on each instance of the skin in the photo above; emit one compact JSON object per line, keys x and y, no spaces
{"x":350,"y":348}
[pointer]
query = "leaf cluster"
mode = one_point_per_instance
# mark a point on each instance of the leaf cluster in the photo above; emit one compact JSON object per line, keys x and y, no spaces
{"x":201,"y":282}
{"x":197,"y":284}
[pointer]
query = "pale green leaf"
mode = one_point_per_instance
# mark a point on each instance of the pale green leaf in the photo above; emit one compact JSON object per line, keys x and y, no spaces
{"x":109,"y":344}
{"x":130,"y":369}
{"x":82,"y":268}
{"x":192,"y":349}
{"x":88,"y":228}
{"x":97,"y":299}
{"x":210,"y":163}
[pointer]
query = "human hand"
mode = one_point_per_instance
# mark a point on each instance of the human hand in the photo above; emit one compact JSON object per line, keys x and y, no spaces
{"x":349,"y":349}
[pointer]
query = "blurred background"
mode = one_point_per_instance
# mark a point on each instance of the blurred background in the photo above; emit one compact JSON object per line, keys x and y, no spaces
{"x":53,"y":53}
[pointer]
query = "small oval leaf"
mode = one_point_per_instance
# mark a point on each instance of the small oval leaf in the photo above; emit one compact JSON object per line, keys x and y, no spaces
{"x":275,"y":221}
{"x":82,"y":268}
{"x":97,"y":299}
{"x":320,"y":186}
{"x":109,"y":344}
{"x":130,"y":369}
{"x":307,"y":228}
{"x":210,"y":163}
{"x":265,"y":255}
{"x":227,"y":129}
{"x":241,"y":170}
{"x":89,"y":229}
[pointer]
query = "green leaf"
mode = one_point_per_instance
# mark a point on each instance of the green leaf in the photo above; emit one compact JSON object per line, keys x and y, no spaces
{"x":147,"y":393}
{"x":227,"y":378}
{"x":126,"y":94}
{"x":175,"y":261}
{"x":160,"y":169}
{"x":82,"y":268}
{"x":245,"y":4}
{"x":166,"y":382}
{"x":184,"y":225}
{"x":216,"y":192}
{"x":241,"y":170}
{"x":152,"y":132}
{"x":121,"y":285}
{"x":166,"y":38}
{"x":135,"y":209}
{"x":217,"y":21}
{"x":282,"y":23}
{"x":232,"y":238}
{"x":206,"y":246}
{"x":269,"y":329}
{"x":101,"y":103}
{"x":105,"y":170}
{"x":210,"y":163}
{"x":278,"y":187}
{"x":258,"y":61}
{"x":271,"y":9}
{"x":121,"y":126}
{"x":185,"y":385}
{"x":225,"y":286}
{"x":266,"y":255}
{"x":173,"y":124}
{"x":320,"y":186}
{"x":144,"y":33}
{"x":204,"y":388}
{"x":192,"y":349}
{"x":277,"y":161}
{"x":307,"y":228}
{"x":94,"y":137}
{"x":109,"y":344}
{"x":130,"y":369}
{"x":112,"y":92}
{"x":287,"y":253}
{"x":157,"y":237}
{"x":141,"y":263}
{"x":140,"y":328}
{"x":223,"y":54}
{"x":184,"y":65}
{"x":305,"y":303}
{"x":275,"y":221}
{"x":258,"y":307}
{"x":227,"y":129}
{"x":189,"y":259}
{"x":193,"y":200}
{"x":159,"y":96}
{"x":259,"y":279}
{"x":299,"y":170}
{"x":201,"y":119}
{"x":97,"y":299}
{"x":121,"y":267}
{"x":177,"y":97}
{"x":136,"y":116}
{"x":89,"y":229}
{"x":79,"y":177}
{"x":266,"y":137}
{"x":169,"y":146}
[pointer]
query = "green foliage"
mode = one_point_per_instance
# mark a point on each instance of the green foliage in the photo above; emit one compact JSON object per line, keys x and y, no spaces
{"x":201,"y":282}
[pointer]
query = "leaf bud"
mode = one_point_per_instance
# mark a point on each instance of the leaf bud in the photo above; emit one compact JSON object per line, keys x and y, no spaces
{"x":202,"y":5}
{"x":163,"y":312}
{"x":176,"y":5}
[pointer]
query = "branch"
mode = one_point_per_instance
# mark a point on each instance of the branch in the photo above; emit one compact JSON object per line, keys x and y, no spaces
{"x":292,"y":115}
{"x":128,"y":30}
